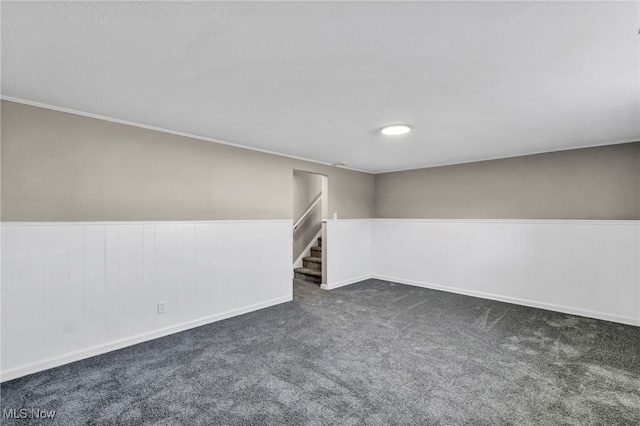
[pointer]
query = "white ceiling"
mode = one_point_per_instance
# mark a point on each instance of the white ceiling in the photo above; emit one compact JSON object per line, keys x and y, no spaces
{"x":476,"y":80}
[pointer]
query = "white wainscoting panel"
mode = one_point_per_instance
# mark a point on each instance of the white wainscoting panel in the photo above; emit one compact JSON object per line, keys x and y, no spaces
{"x":149,"y":268}
{"x":588,"y":268}
{"x":166,"y":279}
{"x":73,"y":290}
{"x":202,"y":269}
{"x":129,"y":281}
{"x":112,"y":294}
{"x":23,"y":296}
{"x":94,"y":281}
{"x":76,"y":289}
{"x":3,"y":298}
{"x":55,"y":311}
{"x":186,"y":272}
{"x":348,"y":251}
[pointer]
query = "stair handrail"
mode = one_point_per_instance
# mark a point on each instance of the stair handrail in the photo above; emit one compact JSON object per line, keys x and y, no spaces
{"x":306,"y":213}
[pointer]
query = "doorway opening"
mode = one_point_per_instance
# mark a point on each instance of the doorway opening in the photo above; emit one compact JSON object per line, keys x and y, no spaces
{"x":309,"y":210}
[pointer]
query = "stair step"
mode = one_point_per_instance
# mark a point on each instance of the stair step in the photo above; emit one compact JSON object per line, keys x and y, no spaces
{"x":319,"y":241}
{"x":314,"y":263}
{"x":308,"y":275}
{"x":308,"y":271}
{"x":316,"y":251}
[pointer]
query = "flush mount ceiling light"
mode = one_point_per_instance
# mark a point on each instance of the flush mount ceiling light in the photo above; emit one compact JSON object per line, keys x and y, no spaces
{"x":395,"y":130}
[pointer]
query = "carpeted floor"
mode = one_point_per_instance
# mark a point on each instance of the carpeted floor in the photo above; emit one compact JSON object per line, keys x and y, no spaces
{"x":373,"y":353}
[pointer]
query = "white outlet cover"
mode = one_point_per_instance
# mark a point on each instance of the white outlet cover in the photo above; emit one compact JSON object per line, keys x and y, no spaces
{"x":162,"y":307}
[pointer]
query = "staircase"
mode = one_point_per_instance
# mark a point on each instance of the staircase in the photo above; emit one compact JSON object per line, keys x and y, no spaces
{"x":311,"y":265}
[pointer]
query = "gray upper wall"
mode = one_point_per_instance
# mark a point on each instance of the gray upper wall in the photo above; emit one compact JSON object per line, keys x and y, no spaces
{"x":65,"y":167}
{"x":590,"y":183}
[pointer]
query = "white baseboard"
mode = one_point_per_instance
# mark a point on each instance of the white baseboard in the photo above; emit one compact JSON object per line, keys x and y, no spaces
{"x":338,"y":284}
{"x":130,"y":341}
{"x":517,"y":301}
{"x":298,"y":262}
{"x":513,"y":300}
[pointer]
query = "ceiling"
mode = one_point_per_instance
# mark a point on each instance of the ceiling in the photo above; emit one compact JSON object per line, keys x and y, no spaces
{"x":317,"y":80}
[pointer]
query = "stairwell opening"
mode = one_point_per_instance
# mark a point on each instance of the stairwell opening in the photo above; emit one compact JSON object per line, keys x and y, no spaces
{"x":309,"y":209}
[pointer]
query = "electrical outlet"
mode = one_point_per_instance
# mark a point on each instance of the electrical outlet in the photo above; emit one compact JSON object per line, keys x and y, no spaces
{"x":162,"y":307}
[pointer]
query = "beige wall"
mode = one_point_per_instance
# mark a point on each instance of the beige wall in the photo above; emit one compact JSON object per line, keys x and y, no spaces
{"x":64,"y":167}
{"x":591,"y":183}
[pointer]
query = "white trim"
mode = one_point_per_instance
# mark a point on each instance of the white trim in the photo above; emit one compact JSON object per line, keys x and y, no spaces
{"x":396,"y":220}
{"x":323,"y":231}
{"x":516,"y":221}
{"x":298,"y":262}
{"x":332,"y":286}
{"x":516,"y":301}
{"x":142,"y":222}
{"x":123,"y":343}
{"x":346,"y":220}
{"x":304,"y":215}
{"x":163,"y":130}
{"x":507,"y":221}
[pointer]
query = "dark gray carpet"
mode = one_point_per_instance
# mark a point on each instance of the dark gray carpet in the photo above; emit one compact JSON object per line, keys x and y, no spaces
{"x":372,"y":353}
